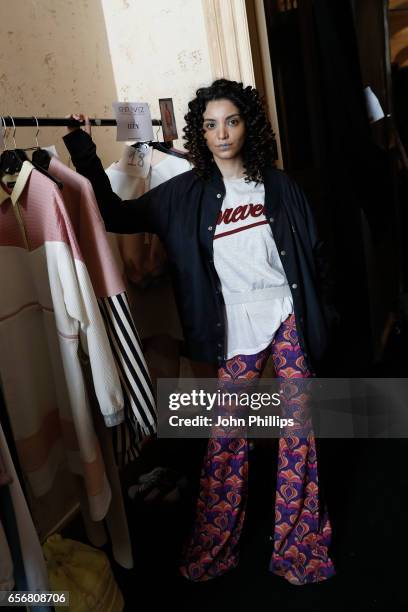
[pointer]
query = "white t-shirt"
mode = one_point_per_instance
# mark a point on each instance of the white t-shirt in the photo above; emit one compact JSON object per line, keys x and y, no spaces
{"x":254,"y":286}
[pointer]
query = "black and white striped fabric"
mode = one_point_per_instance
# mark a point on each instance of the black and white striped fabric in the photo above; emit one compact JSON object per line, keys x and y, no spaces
{"x":140,"y":407}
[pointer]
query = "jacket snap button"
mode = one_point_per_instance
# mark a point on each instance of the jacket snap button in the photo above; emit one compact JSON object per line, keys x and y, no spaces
{"x":219,"y":344}
{"x":218,"y":324}
{"x":283,"y":252}
{"x":210,"y":228}
{"x":219,"y":195}
{"x":294,"y":286}
{"x":271,"y":219}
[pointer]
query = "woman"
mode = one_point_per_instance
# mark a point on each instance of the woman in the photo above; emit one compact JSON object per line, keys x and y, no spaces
{"x":246,"y":267}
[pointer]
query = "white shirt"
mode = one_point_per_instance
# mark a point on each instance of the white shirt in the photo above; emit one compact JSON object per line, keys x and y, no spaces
{"x":154,"y":309}
{"x":254,"y":286}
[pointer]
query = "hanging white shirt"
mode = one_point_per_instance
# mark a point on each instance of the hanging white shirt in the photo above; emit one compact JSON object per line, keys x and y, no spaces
{"x":154,"y":310}
{"x":253,"y":282}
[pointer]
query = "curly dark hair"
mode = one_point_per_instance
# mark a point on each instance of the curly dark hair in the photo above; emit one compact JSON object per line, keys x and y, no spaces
{"x":259,"y":149}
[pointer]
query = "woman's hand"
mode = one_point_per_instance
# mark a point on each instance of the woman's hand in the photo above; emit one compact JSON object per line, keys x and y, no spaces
{"x":80,"y":117}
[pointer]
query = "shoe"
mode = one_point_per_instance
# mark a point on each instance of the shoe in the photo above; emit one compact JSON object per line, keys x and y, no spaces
{"x":161,"y":484}
{"x":153,"y":475}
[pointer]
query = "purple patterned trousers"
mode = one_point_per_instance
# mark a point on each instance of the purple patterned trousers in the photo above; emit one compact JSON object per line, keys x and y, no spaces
{"x":302,"y":530}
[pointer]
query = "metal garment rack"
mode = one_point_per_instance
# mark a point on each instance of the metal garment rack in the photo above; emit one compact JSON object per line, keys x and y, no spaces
{"x":58,"y":121}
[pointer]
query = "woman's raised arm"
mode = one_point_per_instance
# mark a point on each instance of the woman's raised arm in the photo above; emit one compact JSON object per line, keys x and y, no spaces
{"x":149,"y":213}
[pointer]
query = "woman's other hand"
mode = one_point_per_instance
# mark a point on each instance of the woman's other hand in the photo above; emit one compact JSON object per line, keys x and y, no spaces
{"x":80,"y":117}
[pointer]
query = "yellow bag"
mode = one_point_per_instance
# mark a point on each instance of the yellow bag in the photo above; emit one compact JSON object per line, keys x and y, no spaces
{"x":83,"y":571}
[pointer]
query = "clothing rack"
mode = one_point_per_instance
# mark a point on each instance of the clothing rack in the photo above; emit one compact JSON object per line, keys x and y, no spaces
{"x":58,"y":121}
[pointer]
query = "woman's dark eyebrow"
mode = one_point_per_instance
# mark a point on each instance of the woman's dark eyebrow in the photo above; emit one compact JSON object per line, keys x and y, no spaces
{"x":229,"y":117}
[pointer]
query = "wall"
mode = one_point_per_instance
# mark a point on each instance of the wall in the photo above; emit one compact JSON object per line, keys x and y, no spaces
{"x":263,"y":66}
{"x":159,"y":50}
{"x":62,"y":56}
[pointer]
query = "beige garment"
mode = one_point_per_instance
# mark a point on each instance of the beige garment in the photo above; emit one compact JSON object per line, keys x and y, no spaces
{"x":129,"y":182}
{"x":49,"y":288}
{"x":143,"y":256}
{"x":115,"y":519}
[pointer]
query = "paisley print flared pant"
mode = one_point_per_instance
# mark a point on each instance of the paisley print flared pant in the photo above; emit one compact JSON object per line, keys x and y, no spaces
{"x":302,"y":530}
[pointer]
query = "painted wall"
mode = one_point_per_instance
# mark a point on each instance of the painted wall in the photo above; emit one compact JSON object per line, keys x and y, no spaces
{"x":159,"y":50}
{"x":54,"y":60}
{"x":62,"y":56}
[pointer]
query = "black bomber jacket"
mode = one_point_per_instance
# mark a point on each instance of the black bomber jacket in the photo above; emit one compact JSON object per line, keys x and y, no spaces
{"x":183,"y":212}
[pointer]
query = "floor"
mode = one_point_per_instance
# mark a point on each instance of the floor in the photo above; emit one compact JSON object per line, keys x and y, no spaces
{"x":366,"y":484}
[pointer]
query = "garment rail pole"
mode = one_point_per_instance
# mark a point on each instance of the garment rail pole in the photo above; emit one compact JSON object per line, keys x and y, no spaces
{"x":59,"y":121}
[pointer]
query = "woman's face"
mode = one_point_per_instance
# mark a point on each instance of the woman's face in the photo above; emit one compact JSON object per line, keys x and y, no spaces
{"x":224,"y":129}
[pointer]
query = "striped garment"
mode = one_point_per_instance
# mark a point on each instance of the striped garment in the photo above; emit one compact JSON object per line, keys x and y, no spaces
{"x":109,"y":287}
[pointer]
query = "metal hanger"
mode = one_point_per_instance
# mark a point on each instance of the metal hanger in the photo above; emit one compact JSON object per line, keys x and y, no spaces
{"x":37,"y":146}
{"x":2,"y":156}
{"x":40,"y":157}
{"x":11,"y":160}
{"x":18,"y":157}
{"x":163,"y":147}
{"x":3,"y":123}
